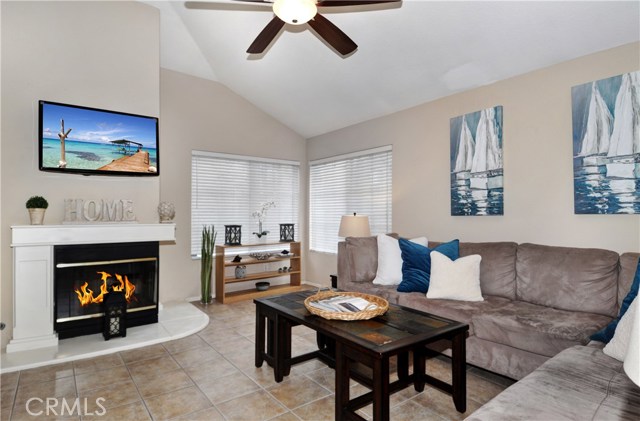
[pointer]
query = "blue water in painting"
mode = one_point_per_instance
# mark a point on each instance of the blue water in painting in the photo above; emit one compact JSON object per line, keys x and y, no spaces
{"x":85,"y":155}
{"x":468,"y":201}
{"x":597,"y":194}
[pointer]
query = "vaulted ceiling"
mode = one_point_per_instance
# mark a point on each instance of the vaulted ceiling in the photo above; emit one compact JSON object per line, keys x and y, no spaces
{"x":408,"y":53}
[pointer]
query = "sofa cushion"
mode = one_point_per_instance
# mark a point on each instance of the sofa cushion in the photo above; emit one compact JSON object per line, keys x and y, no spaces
{"x":390,"y":259}
{"x":575,"y":279}
{"x":605,"y":334}
{"x":580,"y":383}
{"x":497,"y":268}
{"x":539,"y":329}
{"x":455,"y":279}
{"x":628,"y":266}
{"x":460,"y":311}
{"x":416,"y":264}
{"x":362,"y":253}
{"x":619,"y":344}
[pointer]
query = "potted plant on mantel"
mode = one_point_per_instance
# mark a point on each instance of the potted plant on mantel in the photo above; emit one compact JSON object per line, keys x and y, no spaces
{"x":37,"y":206}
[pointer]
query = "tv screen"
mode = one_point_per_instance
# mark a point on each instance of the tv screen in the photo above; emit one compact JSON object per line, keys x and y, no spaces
{"x":87,"y":140}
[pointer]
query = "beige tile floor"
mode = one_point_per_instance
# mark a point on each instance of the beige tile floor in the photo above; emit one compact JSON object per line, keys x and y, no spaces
{"x":211,"y":376}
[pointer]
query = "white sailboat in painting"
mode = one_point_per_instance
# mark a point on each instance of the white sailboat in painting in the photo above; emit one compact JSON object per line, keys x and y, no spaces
{"x":464,"y":158}
{"x":623,"y":157}
{"x":595,"y":142}
{"x":486,"y":166}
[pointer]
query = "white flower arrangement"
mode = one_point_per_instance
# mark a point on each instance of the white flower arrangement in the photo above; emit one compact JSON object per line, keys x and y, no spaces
{"x":260,"y":214}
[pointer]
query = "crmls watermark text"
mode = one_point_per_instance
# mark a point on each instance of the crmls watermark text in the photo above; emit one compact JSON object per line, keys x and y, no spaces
{"x":61,"y":407}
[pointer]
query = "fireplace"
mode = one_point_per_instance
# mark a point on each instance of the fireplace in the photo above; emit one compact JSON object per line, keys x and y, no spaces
{"x":83,"y":275}
{"x":33,"y":246}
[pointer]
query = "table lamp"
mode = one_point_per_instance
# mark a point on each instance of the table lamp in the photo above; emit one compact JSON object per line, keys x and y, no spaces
{"x":354,"y":226}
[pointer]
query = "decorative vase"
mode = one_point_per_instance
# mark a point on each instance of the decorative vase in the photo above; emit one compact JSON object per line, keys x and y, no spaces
{"x":167,"y":212}
{"x":241,"y":272}
{"x":36,"y":215}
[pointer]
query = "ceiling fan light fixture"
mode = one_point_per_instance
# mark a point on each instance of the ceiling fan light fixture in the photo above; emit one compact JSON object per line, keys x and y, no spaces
{"x":295,"y":12}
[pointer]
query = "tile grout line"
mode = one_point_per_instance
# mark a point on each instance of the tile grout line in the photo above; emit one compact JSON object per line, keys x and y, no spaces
{"x":144,"y":403}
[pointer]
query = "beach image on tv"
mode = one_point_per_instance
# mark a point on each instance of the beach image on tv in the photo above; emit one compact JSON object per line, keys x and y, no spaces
{"x":87,"y":139}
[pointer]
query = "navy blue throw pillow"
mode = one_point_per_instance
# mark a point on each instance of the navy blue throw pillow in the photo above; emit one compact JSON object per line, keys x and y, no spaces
{"x":416,"y":264}
{"x":606,"y":333}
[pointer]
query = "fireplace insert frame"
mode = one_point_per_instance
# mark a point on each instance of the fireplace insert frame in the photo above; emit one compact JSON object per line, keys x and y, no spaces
{"x":92,"y":255}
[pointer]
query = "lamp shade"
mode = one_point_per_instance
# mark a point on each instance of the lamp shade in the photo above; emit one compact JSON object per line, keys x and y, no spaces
{"x":632,"y":360}
{"x":354,"y":226}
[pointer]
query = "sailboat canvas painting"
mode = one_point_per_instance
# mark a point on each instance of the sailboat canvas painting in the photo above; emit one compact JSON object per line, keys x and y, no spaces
{"x":476,"y":163}
{"x":606,"y":145}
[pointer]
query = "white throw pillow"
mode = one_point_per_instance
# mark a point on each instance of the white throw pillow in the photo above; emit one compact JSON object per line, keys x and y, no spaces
{"x":390,"y":259}
{"x":455,"y":279}
{"x":617,"y":346}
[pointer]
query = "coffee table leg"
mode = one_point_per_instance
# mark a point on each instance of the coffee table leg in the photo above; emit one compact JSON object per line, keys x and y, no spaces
{"x":342,"y":383}
{"x":260,"y":326}
{"x":278,"y":352}
{"x":459,"y":371}
{"x":403,"y":365}
{"x":419,"y":368}
{"x":286,"y":367}
{"x":381,"y":389}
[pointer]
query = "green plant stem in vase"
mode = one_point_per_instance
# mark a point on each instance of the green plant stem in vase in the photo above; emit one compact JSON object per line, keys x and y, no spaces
{"x":206,"y":263}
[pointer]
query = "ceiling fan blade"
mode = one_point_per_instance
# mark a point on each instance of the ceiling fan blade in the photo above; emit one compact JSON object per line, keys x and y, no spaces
{"x":265,"y":37}
{"x":332,"y":34}
{"x":330,"y":3}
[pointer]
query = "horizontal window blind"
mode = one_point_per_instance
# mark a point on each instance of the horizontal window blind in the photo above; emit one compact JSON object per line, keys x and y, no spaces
{"x":358,"y":182}
{"x":227,"y":189}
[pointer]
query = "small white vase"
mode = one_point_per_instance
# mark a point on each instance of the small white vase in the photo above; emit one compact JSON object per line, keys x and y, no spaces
{"x":36,"y":215}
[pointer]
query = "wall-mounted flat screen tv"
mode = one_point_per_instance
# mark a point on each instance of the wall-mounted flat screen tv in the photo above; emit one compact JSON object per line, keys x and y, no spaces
{"x":88,"y":141}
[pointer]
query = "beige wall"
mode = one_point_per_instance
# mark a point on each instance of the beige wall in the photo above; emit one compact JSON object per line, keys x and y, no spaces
{"x":199,"y":114}
{"x":538,"y":197}
{"x":98,"y":54}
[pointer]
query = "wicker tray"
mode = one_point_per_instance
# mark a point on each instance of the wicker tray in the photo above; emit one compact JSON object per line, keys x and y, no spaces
{"x":383,"y":306}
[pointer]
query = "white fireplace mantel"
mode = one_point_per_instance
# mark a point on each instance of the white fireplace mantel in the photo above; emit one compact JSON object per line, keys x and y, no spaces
{"x":33,"y":271}
{"x":43,"y":235}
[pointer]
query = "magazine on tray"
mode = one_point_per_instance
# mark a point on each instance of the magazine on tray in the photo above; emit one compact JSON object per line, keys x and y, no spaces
{"x":343,"y":304}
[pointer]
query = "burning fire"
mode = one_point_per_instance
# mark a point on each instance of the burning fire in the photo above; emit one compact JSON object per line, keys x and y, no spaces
{"x":85,"y":295}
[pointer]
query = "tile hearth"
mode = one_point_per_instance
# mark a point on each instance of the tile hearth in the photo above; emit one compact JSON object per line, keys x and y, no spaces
{"x":175,"y":320}
{"x":211,"y":376}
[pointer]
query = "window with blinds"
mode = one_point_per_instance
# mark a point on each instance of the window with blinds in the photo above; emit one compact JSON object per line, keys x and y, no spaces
{"x":227,"y":189}
{"x":358,"y":182}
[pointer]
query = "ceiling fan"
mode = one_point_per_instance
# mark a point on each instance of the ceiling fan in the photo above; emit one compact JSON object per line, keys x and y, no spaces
{"x":299,"y":12}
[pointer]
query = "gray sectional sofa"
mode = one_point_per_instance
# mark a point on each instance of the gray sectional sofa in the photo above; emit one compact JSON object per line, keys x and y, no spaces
{"x":539,"y":301}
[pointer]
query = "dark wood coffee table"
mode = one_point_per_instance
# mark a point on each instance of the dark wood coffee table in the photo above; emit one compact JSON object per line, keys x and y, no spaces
{"x":348,"y":346}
